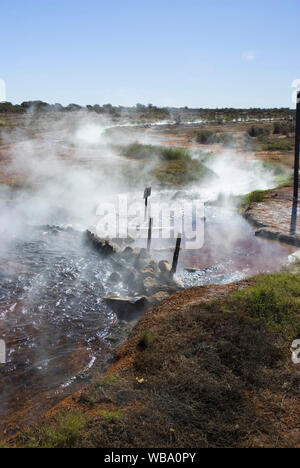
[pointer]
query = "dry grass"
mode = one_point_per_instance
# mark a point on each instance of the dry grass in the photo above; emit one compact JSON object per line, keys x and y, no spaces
{"x":214,"y":374}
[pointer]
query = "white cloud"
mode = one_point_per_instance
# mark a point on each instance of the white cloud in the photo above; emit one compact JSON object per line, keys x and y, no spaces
{"x":249,"y":56}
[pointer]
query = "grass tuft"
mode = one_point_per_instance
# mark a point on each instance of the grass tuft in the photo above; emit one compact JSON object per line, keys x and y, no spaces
{"x":62,"y":432}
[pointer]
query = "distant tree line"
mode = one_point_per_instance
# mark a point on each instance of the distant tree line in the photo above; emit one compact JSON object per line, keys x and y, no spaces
{"x":141,"y":111}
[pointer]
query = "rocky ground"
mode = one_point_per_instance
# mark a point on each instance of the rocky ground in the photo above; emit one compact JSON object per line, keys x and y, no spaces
{"x":272,"y":215}
{"x":138,"y":281}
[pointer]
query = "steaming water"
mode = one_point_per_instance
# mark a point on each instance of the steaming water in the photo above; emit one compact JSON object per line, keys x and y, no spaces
{"x":55,"y":320}
{"x":52,"y":314}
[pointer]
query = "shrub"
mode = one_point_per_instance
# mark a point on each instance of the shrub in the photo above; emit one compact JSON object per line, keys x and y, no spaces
{"x":178,"y":173}
{"x":278,"y":145}
{"x":207,"y":137}
{"x":146,"y":341}
{"x":61,"y":432}
{"x":111,"y":415}
{"x":204,"y":137}
{"x":274,"y":300}
{"x":257,"y":196}
{"x":258,"y":131}
{"x":139,"y":151}
{"x":284,"y":128}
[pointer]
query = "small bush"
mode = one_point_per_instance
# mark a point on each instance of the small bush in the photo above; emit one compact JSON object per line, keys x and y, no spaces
{"x":274,"y":300}
{"x":258,"y":131}
{"x":107,"y":380}
{"x":257,"y":196}
{"x":146,"y":341}
{"x":61,"y":432}
{"x":207,"y":137}
{"x":113,"y":415}
{"x":139,"y":151}
{"x":204,"y":137}
{"x":179,"y":173}
{"x":278,"y":145}
{"x":283,"y":128}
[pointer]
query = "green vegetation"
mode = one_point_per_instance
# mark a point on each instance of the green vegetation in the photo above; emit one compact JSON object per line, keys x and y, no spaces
{"x":143,"y":113}
{"x":280,"y":176}
{"x":3,"y":445}
{"x":278,"y":144}
{"x":201,"y":375}
{"x":258,"y":131}
{"x":172,"y":166}
{"x":204,"y":137}
{"x":207,"y":137}
{"x":62,"y":432}
{"x":165,"y":153}
{"x":6,"y":107}
{"x":284,"y":128}
{"x":180,"y":173}
{"x":147,"y":339}
{"x":107,"y":380}
{"x":111,"y":415}
{"x":257,"y":196}
{"x":273,"y":300}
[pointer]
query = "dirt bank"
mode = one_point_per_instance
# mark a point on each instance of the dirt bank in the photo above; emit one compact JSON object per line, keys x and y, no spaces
{"x":194,"y":373}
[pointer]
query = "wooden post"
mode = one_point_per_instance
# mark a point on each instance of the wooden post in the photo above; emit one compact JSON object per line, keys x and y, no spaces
{"x":147,"y":193}
{"x":149,"y":234}
{"x":296,"y":170}
{"x":176,"y":255}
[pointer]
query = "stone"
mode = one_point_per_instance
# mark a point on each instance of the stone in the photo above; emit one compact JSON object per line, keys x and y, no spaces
{"x":153,"y":265}
{"x":115,"y":278}
{"x":151,"y":285}
{"x":127,"y":307}
{"x":158,"y":297}
{"x":106,"y":247}
{"x":147,"y":272}
{"x":164,"y":266}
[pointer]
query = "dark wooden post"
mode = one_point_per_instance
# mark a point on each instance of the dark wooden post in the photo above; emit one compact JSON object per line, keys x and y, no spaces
{"x":149,"y":234}
{"x":147,"y":193}
{"x":176,"y":255}
{"x":296,"y":170}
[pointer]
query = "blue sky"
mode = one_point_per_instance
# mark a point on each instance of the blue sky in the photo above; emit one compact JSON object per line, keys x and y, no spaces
{"x":212,"y":53}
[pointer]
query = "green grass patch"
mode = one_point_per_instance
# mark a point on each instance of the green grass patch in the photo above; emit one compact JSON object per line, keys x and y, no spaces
{"x":207,"y":137}
{"x":257,"y":196}
{"x":278,"y":144}
{"x":107,"y":380}
{"x":274,"y":300}
{"x":180,"y":173}
{"x":113,"y":415}
{"x":139,"y":151}
{"x":146,"y":340}
{"x":61,"y":432}
{"x":172,"y":167}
